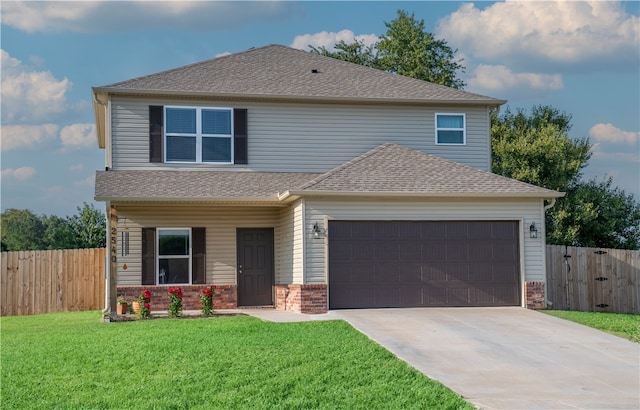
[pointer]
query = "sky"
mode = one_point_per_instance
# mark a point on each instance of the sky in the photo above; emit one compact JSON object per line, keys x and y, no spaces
{"x":579,"y":57}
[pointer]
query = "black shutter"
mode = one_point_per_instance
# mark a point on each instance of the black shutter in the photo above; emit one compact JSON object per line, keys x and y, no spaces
{"x":240,"y":136}
{"x":156,"y":137}
{"x":198,"y":270}
{"x":148,"y":256}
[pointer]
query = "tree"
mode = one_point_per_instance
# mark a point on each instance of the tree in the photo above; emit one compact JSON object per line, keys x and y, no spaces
{"x":536,"y":148}
{"x":356,"y":52}
{"x":21,"y":230}
{"x":406,"y":49}
{"x":58,"y":233}
{"x":595,"y":214}
{"x":88,"y":226}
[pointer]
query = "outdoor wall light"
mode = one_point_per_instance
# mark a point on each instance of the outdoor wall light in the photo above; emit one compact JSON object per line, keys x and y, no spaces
{"x":318,"y":232}
{"x":533,"y":231}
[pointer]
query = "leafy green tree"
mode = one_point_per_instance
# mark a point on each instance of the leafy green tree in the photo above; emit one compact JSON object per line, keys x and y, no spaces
{"x":89,"y":226}
{"x":21,"y":230}
{"x":356,"y":52}
{"x":536,"y":148}
{"x":58,"y":233}
{"x":595,"y":214}
{"x":406,"y":49}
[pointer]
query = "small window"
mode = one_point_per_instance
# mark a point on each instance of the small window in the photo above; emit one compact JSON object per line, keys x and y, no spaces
{"x":196,"y":134}
{"x":174,"y":256}
{"x":450,"y":129}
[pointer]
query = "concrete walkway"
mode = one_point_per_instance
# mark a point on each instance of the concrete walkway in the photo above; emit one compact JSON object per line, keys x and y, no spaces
{"x":509,"y":358}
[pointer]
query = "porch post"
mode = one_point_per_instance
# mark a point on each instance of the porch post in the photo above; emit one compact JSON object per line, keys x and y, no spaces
{"x":112,"y":276}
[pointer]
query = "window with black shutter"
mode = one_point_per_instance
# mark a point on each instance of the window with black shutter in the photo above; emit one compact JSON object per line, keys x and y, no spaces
{"x":182,"y":134}
{"x":173,"y":256}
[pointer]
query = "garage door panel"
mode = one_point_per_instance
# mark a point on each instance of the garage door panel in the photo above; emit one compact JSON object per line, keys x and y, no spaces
{"x":387,"y":251}
{"x":434,"y":251}
{"x":410,"y":251}
{"x":457,"y":250}
{"x":423,"y":263}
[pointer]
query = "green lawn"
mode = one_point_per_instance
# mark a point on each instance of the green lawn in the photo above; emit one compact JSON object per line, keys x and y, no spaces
{"x":72,"y":360}
{"x":624,"y":325}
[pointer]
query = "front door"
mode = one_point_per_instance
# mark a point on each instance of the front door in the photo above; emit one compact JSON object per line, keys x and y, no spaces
{"x":255,"y":266}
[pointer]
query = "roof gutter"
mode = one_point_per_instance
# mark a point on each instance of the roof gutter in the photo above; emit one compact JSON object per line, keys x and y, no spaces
{"x":545,"y":195}
{"x":172,"y":93}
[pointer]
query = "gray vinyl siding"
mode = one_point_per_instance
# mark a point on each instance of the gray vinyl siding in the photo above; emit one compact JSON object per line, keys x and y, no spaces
{"x":290,"y":246}
{"x":220,"y":224}
{"x":307,"y":137}
{"x":525,"y":210}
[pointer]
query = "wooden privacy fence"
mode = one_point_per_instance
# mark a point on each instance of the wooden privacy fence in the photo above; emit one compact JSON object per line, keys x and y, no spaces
{"x":34,"y":282}
{"x":593,"y":279}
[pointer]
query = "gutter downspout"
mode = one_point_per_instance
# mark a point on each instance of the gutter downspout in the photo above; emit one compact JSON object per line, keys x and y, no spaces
{"x":547,"y":302}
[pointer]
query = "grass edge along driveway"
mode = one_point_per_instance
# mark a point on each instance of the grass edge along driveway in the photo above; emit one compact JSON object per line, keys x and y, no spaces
{"x":72,"y":360}
{"x":620,"y":324}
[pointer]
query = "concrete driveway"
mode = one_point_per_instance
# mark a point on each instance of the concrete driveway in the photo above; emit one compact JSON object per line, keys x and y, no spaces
{"x":509,"y":358}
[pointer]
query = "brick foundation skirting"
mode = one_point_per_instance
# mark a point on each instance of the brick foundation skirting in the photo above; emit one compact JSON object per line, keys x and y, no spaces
{"x":534,"y":295}
{"x":224,"y":297}
{"x":302,"y":298}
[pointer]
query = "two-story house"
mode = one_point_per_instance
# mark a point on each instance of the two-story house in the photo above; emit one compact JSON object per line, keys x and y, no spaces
{"x":298,"y":181}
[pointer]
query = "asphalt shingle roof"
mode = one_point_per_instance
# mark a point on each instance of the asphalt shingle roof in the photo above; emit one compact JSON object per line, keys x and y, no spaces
{"x":161,"y":185}
{"x":388,"y":169}
{"x":276,"y":71}
{"x":391,"y":168}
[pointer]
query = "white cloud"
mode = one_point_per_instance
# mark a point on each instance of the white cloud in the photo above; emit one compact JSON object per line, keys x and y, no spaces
{"x":78,"y":136}
{"x":328,"y":39}
{"x":499,"y":78}
{"x":26,"y":136}
{"x":19,"y":174}
{"x":102,"y":16}
{"x":30,"y":96}
{"x":88,"y":181}
{"x":578,"y":34}
{"x":610,"y":133}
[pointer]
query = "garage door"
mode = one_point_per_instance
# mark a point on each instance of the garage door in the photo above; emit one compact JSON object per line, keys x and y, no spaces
{"x":423,"y":263}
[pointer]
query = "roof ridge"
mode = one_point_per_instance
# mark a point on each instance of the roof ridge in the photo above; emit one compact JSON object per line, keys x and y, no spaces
{"x":345,"y":165}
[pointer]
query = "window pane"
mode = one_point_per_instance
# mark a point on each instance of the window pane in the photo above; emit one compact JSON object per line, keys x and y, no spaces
{"x":216,"y":149}
{"x":173,"y":242}
{"x":450,"y":121}
{"x":216,"y":122}
{"x":450,"y":137}
{"x":181,"y":120}
{"x":181,"y":149}
{"x":173,"y":271}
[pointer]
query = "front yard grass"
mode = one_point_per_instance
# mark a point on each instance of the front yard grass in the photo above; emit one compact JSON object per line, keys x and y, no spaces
{"x":624,"y":325}
{"x":73,"y":361}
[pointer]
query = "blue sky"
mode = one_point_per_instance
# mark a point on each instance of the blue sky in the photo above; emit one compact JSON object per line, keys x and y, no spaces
{"x":580,"y":57}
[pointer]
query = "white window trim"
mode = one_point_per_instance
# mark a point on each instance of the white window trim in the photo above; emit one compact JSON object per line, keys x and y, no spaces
{"x":173,"y":256}
{"x":198,"y":135}
{"x":464,"y":128}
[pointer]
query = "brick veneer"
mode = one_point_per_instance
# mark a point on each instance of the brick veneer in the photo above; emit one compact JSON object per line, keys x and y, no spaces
{"x":224,"y":297}
{"x":534,"y":292}
{"x":302,"y":298}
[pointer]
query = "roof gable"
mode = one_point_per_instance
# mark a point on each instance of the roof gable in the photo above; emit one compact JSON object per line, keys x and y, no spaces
{"x":276,"y":71}
{"x":393,"y":169}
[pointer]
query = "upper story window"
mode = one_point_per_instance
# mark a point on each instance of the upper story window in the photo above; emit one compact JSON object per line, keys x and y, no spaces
{"x":195,"y":134}
{"x":451,"y":129}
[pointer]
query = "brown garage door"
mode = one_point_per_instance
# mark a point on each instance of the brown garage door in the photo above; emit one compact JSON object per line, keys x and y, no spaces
{"x":423,"y":263}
